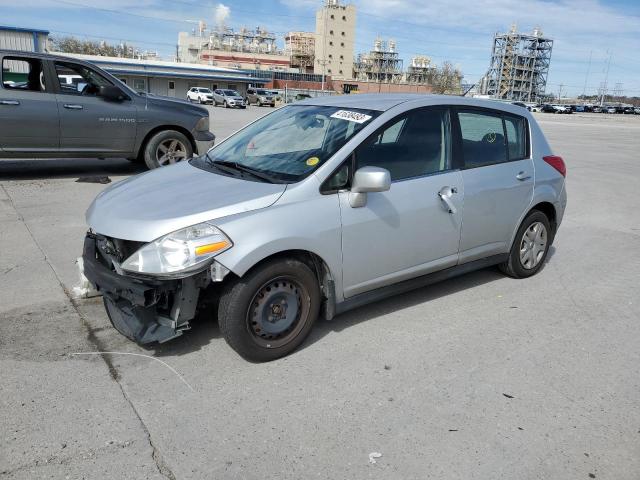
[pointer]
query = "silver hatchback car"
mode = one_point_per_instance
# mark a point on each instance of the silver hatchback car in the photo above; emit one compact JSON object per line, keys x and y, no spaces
{"x":320,"y":207}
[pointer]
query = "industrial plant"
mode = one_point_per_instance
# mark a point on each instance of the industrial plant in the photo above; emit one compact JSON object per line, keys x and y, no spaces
{"x":382,"y":64}
{"x":519,"y":66}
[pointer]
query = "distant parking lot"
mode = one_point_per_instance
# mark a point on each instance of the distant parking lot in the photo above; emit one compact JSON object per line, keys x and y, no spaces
{"x":480,"y":377}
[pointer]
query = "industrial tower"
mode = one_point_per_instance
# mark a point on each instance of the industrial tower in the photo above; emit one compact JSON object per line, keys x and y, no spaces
{"x":519,"y":66}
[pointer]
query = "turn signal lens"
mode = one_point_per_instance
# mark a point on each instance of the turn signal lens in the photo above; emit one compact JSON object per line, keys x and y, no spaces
{"x":211,"y":247}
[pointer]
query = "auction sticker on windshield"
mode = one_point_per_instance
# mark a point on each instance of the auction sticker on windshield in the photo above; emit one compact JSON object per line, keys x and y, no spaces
{"x":351,"y":116}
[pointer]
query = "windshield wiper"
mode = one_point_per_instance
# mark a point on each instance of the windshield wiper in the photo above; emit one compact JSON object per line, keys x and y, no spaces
{"x":254,"y":172}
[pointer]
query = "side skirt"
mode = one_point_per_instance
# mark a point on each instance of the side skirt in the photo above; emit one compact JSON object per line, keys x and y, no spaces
{"x":418,"y":282}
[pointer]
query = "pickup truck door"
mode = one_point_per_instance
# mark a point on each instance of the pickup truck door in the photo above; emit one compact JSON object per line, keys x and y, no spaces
{"x":29,"y":121}
{"x":89,"y":123}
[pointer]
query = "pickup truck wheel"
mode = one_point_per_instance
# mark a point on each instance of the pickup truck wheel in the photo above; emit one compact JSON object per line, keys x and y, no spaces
{"x":530,"y":247}
{"x":270,"y":311}
{"x":167,"y":147}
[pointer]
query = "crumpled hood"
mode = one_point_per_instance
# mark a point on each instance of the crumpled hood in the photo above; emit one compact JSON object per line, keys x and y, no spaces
{"x":147,"y":206}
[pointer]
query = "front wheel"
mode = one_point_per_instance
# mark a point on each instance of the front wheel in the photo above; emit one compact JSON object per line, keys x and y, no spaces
{"x":530,"y":247}
{"x":167,"y":147}
{"x":270,"y":311}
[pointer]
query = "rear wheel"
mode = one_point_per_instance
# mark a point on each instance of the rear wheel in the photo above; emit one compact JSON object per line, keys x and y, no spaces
{"x":268,"y":313}
{"x":167,"y":147}
{"x":530,"y":247}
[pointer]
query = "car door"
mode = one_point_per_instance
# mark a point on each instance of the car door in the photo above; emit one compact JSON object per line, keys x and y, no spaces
{"x":29,"y":121}
{"x":498,"y":179}
{"x":408,"y":230}
{"x":88,"y":122}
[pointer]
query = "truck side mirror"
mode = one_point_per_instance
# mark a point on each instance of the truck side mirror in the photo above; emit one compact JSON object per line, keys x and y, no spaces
{"x":368,"y":179}
{"x":111,"y":93}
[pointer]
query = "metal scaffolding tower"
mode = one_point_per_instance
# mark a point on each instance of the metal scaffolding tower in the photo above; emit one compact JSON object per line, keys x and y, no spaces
{"x":519,"y":66}
{"x":382,"y":64}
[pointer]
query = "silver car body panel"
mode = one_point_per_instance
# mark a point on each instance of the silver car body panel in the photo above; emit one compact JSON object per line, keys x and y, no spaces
{"x":363,"y":248}
{"x":148,"y":206}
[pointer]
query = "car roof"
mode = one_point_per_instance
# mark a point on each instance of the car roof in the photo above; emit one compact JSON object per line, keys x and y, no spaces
{"x":386,"y":101}
{"x":43,"y":56}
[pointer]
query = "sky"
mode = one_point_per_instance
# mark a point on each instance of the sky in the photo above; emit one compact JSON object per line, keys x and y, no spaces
{"x":445,"y":30}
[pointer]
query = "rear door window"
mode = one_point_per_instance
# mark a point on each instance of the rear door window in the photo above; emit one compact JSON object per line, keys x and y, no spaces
{"x":20,"y":73}
{"x":483,"y":138}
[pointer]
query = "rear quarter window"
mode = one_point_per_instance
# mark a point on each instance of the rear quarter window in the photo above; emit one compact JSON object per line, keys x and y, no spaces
{"x":516,"y":130}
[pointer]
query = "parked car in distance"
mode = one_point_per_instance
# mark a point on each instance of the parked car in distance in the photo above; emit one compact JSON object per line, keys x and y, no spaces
{"x":320,"y":207}
{"x":57,"y":106}
{"x":546,"y":108}
{"x":228,"y":98}
{"x":579,"y":108}
{"x":597,"y":109}
{"x":301,"y":96}
{"x":628,"y":110}
{"x":636,"y":110}
{"x":562,"y":108}
{"x":611,"y":110}
{"x":200,"y":95}
{"x":260,"y":97}
{"x":520,"y":104}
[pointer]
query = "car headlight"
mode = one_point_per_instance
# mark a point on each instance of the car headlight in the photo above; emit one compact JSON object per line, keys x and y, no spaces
{"x":182,"y":251}
{"x":203,"y":124}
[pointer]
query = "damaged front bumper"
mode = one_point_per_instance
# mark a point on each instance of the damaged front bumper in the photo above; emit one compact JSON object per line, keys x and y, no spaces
{"x":143,"y":309}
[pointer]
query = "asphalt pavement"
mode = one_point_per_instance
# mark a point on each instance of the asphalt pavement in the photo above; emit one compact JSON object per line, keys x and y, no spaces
{"x":479,"y":377}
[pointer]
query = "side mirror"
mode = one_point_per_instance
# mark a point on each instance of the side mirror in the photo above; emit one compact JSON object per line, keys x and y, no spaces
{"x":368,"y":179}
{"x":111,"y":93}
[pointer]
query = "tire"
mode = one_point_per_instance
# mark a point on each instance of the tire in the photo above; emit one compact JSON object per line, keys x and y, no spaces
{"x":259,"y":103}
{"x":226,"y":105}
{"x":200,"y":100}
{"x":188,"y":99}
{"x":515,"y":266}
{"x":165,"y":138}
{"x":247,"y":304}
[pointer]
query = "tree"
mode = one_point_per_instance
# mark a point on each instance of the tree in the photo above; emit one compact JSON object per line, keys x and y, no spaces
{"x":88,"y":47}
{"x":447,"y":79}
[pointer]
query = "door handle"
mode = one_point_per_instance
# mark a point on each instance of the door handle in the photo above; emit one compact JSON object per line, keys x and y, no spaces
{"x":73,"y":106}
{"x":523,"y":176}
{"x":9,"y":102}
{"x":445,"y":194}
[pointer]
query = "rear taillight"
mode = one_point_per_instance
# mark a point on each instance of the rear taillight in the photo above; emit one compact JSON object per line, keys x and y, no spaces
{"x":557,"y":163}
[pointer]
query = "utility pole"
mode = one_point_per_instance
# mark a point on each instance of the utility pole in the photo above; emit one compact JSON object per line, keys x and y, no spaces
{"x":606,"y":79}
{"x":586,"y":77}
{"x":560,"y":92}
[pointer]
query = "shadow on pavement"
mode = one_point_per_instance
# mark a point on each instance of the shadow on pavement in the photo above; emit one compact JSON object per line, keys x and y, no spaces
{"x":205,"y":329}
{"x":28,"y":169}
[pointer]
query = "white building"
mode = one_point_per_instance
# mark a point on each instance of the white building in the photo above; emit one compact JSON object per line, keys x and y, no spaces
{"x":24,"y":39}
{"x":170,"y":78}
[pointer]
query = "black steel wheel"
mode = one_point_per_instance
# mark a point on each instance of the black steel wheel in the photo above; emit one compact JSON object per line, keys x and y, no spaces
{"x":270,"y":311}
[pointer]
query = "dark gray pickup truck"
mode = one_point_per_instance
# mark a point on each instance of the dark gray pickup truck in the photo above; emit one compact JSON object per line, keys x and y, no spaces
{"x":56,"y":106}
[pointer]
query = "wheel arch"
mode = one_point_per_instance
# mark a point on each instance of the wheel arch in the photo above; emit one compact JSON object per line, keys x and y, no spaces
{"x":161,"y":128}
{"x":315,"y":262}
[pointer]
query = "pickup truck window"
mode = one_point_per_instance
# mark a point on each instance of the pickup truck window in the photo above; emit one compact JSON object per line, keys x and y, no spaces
{"x":21,"y":73}
{"x":79,"y":80}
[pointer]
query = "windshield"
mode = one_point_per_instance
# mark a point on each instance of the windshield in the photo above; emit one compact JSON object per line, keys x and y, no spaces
{"x":290,"y":143}
{"x":205,"y":90}
{"x":261,"y":92}
{"x":231,"y":93}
